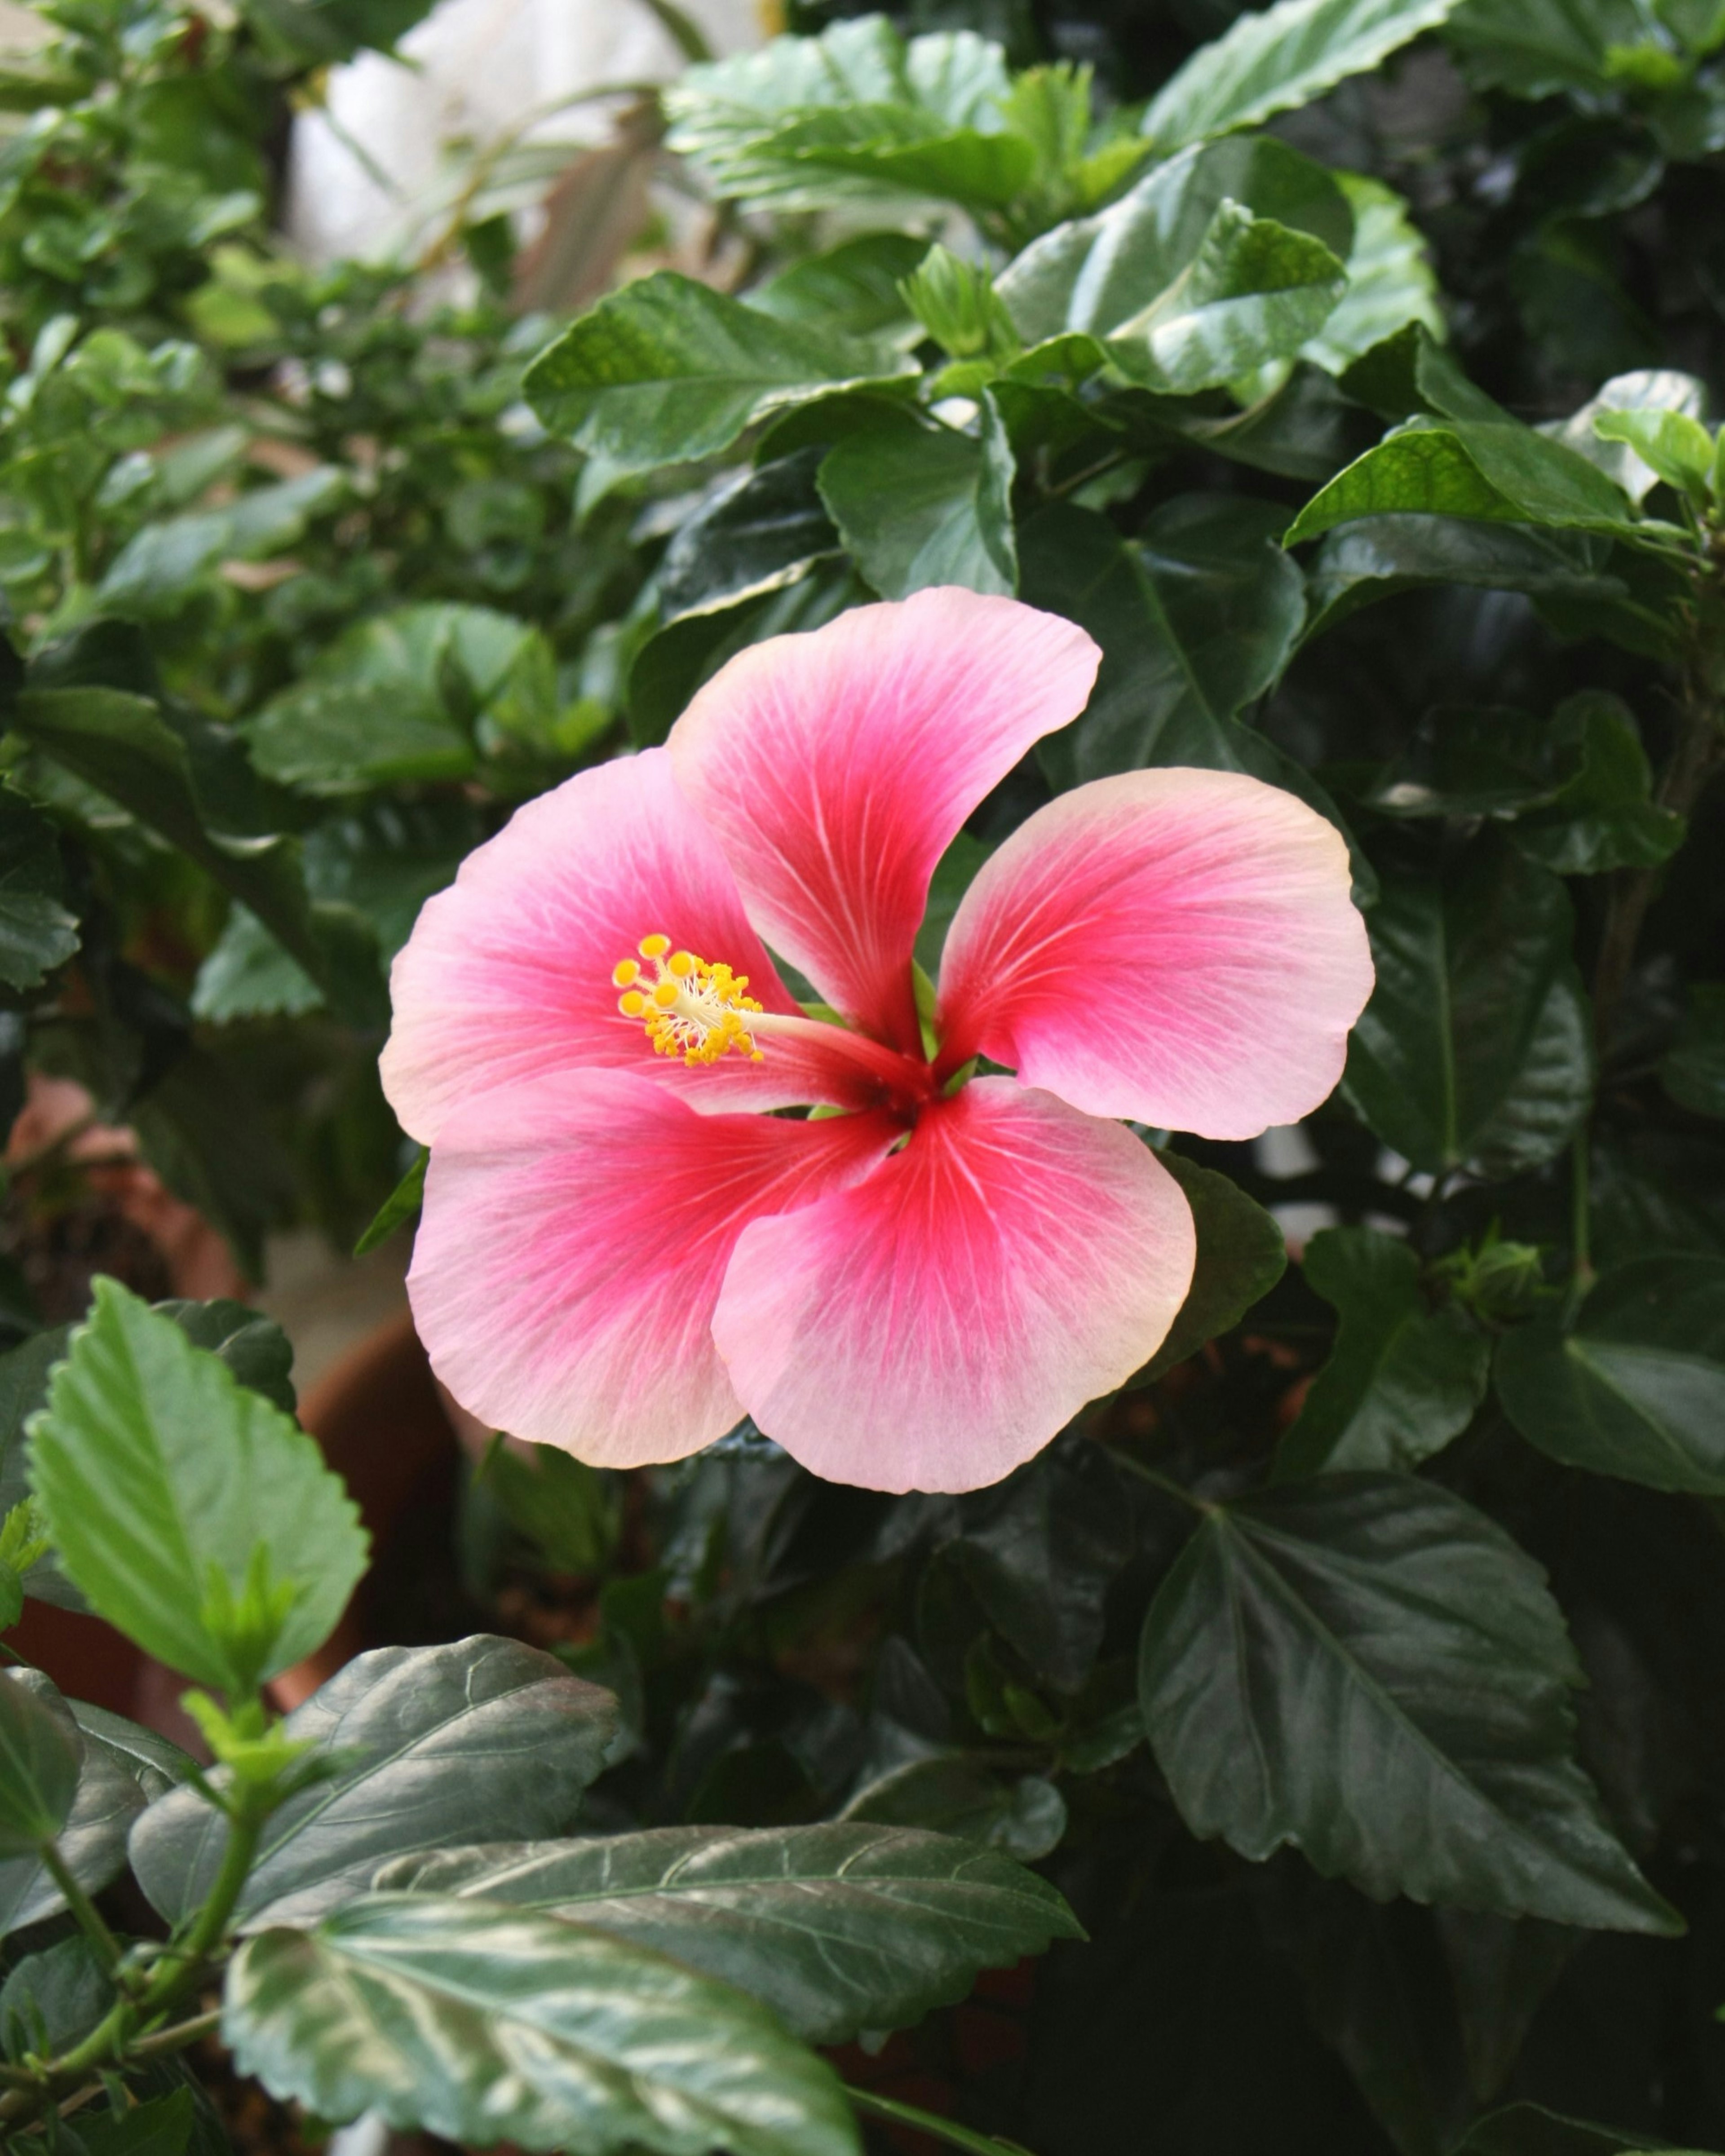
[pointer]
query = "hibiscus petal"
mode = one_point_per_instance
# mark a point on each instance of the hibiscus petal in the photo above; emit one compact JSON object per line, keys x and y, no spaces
{"x":576,"y":1232}
{"x":507,"y":973}
{"x":1177,"y":946}
{"x":932,"y":1326}
{"x":837,"y":766}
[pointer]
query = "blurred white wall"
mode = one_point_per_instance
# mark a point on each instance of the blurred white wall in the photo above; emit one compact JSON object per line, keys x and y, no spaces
{"x":477,"y":69}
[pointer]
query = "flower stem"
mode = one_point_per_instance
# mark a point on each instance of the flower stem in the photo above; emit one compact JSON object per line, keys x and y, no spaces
{"x":1581,"y":1269}
{"x":90,"y":1918}
{"x":930,"y":2123}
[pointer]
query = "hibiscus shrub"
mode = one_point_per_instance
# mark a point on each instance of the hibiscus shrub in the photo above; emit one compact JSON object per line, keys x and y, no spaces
{"x":1066,"y":1104}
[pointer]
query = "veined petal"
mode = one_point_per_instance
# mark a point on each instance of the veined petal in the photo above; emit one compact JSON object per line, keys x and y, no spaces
{"x":507,"y":973}
{"x":1177,"y":946}
{"x":933,"y":1325}
{"x":575,"y":1234}
{"x":837,"y":766}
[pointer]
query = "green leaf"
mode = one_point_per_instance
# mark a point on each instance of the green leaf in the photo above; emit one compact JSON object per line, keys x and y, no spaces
{"x":1647,"y":391}
{"x":674,"y":661}
{"x":1636,"y":1387}
{"x":667,"y":370}
{"x":1374,"y":558}
{"x":247,"y":974}
{"x":476,"y":2021}
{"x":1543,"y":48}
{"x":1672,"y":445}
{"x":1528,"y":2129}
{"x":1390,"y":279}
{"x":838,"y":1927}
{"x":154,"y":1763}
{"x":1365,"y":1667}
{"x":160,"y":1474}
{"x":40,"y":1752}
{"x":1467,"y":761}
{"x":1604,"y":817}
{"x":107,"y":1796}
{"x":1402,"y":1378}
{"x":1475,"y":1050}
{"x":253,"y":1347}
{"x":851,"y":290}
{"x":1693,"y":1070}
{"x":51,"y":1999}
{"x":429,"y":1742}
{"x":1282,"y":57}
{"x":1256,"y":291}
{"x":401,"y":1205}
{"x":568,"y":1511}
{"x":758,"y":532}
{"x":161,"y":2126}
{"x":159,"y":570}
{"x":37,"y":933}
{"x":1242,"y":1253}
{"x":1491,"y":472}
{"x":1095,"y":275}
{"x":918,"y":504}
{"x":857,"y":112}
{"x":185,"y":787}
{"x":956,"y":1794}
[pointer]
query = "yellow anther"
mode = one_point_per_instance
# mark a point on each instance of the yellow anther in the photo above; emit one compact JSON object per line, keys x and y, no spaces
{"x":633,"y":1004}
{"x":625,"y":974}
{"x":682,"y":963}
{"x":664,"y":993}
{"x":653,"y":947}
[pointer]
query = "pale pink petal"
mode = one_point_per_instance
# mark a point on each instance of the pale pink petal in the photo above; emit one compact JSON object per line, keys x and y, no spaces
{"x":837,"y":766}
{"x":575,"y":1235}
{"x":507,"y":973}
{"x":934,"y":1325}
{"x":1177,"y":946}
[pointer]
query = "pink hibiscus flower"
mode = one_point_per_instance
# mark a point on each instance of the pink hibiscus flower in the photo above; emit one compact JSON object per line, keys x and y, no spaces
{"x":621,"y":1254}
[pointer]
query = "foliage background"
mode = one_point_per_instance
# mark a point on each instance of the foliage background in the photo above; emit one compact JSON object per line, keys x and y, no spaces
{"x":1409,"y":1555}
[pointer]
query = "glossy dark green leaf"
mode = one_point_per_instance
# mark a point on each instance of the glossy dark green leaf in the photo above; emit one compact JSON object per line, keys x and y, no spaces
{"x":1390,"y":280}
{"x":1538,"y":47}
{"x":1039,"y":1551}
{"x":1404,"y":1375}
{"x":1528,"y":2129}
{"x":1475,"y":1049}
{"x":676,"y":659}
{"x":37,"y":933}
{"x":1604,"y":816}
{"x":1194,"y":621}
{"x":1367,"y":1668}
{"x":159,"y":1472}
{"x":838,"y":1927}
{"x":154,"y":1762}
{"x":760,"y":531}
{"x":667,"y":369}
{"x":956,"y":1794}
{"x":1468,"y":761}
{"x":1636,"y":1387}
{"x":253,"y":1347}
{"x":432,"y":1740}
{"x":1272,"y":59}
{"x":159,"y":2126}
{"x":1242,"y":1253}
{"x":108,"y":1795}
{"x":919,"y":504}
{"x":1693,"y":1070}
{"x":1096,"y":275}
{"x":1502,"y":1970}
{"x":40,"y":1757}
{"x":476,"y":2021}
{"x":1373,"y":557}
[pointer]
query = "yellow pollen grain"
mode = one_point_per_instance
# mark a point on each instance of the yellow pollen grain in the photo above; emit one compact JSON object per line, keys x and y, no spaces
{"x":653,"y":947}
{"x":681,"y":964}
{"x":664,"y":993}
{"x":633,"y":1004}
{"x":625,"y":974}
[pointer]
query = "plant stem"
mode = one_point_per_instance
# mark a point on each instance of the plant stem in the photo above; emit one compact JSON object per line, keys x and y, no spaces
{"x":928,"y":2122}
{"x":1581,"y":1269}
{"x":176,"y":2038}
{"x":90,"y":1921}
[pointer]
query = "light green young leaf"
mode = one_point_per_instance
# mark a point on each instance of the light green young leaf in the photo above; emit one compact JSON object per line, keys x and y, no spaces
{"x":1673,"y":446}
{"x":1272,"y":60}
{"x":474,"y":2020}
{"x":1652,"y":389}
{"x":158,"y":1472}
{"x":667,"y":369}
{"x":40,"y":1752}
